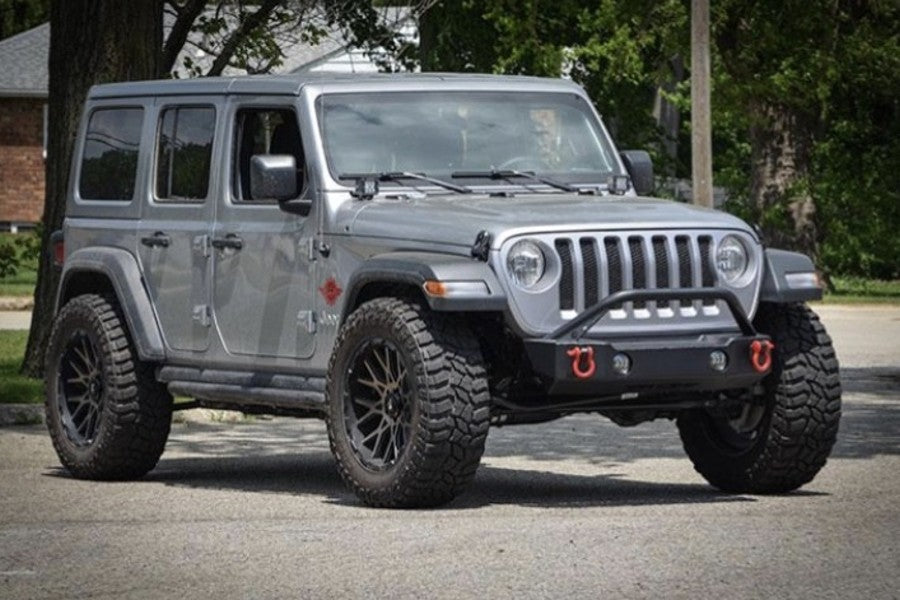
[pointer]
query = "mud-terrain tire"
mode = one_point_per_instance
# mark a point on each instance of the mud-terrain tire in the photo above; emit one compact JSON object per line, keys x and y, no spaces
{"x":798,"y":417}
{"x":418,"y":377}
{"x":119,"y":427}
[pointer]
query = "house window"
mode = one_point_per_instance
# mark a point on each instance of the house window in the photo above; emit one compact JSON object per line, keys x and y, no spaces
{"x":110,"y":157}
{"x":184,"y":153}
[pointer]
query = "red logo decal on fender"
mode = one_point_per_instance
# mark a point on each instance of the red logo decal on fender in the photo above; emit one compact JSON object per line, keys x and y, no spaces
{"x":331,"y":291}
{"x":577,"y":353}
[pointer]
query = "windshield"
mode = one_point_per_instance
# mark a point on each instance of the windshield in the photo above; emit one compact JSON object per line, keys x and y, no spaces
{"x":446,"y":134}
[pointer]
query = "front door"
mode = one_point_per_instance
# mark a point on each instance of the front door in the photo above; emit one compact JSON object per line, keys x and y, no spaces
{"x":262,"y":285}
{"x":175,"y":222}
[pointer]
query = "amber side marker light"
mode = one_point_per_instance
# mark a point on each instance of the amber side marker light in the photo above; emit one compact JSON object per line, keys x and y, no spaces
{"x":455,"y":289}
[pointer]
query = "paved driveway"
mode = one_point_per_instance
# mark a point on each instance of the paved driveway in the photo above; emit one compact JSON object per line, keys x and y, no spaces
{"x":577,"y":508}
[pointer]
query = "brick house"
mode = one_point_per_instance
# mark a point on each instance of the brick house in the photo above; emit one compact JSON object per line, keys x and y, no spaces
{"x":23,"y":112}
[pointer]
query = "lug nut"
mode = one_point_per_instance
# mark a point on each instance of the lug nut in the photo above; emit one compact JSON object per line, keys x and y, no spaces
{"x":621,"y":364}
{"x":718,"y":360}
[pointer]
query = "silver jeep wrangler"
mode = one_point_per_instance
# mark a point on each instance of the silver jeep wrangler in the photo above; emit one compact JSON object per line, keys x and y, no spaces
{"x":414,"y":259}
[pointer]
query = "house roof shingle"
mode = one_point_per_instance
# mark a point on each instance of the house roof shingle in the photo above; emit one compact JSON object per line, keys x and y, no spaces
{"x":23,"y":63}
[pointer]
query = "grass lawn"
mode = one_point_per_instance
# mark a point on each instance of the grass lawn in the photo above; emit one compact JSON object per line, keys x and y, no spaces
{"x":15,"y":388}
{"x":854,"y":290}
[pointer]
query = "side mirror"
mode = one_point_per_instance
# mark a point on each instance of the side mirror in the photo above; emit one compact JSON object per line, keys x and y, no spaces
{"x":274,"y":177}
{"x":640,"y":168}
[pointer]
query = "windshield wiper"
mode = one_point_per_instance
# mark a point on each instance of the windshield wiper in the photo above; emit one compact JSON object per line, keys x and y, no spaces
{"x":511,"y":173}
{"x":401,"y":175}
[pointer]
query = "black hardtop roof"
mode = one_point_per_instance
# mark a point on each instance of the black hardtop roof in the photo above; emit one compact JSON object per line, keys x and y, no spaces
{"x":291,"y":84}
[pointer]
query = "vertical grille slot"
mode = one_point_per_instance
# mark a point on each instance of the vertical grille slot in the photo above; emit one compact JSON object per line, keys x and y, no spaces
{"x":638,"y":266}
{"x":685,"y":268}
{"x":591,"y":272}
{"x":567,"y":276}
{"x":707,"y":277}
{"x":661,"y":254}
{"x":615,"y":265}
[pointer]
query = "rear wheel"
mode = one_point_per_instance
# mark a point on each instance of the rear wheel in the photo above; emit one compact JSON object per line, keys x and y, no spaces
{"x":781,"y":441}
{"x":408,"y":405}
{"x":108,"y":416}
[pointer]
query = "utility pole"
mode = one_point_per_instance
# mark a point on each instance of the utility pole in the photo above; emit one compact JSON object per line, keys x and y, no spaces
{"x":701,"y":126}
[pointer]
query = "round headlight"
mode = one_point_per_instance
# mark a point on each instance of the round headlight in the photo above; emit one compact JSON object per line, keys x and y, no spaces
{"x":731,"y":259}
{"x":525,"y":263}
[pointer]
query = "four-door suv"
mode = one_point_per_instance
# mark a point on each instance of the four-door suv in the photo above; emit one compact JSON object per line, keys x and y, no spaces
{"x":414,"y":259}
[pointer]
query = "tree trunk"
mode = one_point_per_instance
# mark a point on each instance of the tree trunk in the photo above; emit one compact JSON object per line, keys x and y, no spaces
{"x":780,"y":145}
{"x":91,"y":41}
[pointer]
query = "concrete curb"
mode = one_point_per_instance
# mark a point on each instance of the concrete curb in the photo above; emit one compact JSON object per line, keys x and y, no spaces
{"x":16,"y":303}
{"x":21,"y":414}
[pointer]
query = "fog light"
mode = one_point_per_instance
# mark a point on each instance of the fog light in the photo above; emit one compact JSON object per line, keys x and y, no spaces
{"x":718,"y":360}
{"x":621,"y":364}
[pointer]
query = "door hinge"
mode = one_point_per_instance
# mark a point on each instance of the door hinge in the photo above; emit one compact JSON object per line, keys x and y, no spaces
{"x":307,"y":320}
{"x":201,"y":314}
{"x":200,"y":244}
{"x":316,"y":247}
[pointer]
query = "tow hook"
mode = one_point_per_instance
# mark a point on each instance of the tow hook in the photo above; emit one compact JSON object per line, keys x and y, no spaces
{"x":582,"y":355}
{"x":761,"y":355}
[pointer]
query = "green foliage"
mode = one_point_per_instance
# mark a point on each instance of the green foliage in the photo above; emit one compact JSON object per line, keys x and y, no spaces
{"x":18,"y":15}
{"x":15,"y":388}
{"x":19,"y":253}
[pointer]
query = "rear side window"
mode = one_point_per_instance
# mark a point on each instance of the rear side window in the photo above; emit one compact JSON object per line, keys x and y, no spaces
{"x":184,"y":152}
{"x":109,"y":162}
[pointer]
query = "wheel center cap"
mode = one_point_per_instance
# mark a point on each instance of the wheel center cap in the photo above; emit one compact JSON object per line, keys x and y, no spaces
{"x":393,"y":404}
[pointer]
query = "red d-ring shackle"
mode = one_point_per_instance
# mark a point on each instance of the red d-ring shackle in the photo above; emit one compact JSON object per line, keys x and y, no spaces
{"x":577,"y":353}
{"x":761,"y":355}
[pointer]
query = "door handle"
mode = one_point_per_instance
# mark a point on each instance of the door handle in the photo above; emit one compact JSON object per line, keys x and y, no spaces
{"x":159,"y":239}
{"x":229,"y":241}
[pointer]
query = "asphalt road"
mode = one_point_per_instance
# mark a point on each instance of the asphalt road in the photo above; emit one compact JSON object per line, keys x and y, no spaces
{"x":578,"y":508}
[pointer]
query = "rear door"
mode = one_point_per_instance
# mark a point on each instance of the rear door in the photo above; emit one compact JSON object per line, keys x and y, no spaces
{"x":174,"y":232}
{"x":262,"y":285}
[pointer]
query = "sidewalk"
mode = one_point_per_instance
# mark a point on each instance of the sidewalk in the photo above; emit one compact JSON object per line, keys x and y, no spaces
{"x":15,"y":319}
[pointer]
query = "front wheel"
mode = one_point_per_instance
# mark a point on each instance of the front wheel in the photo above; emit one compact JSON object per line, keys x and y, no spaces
{"x":782,"y":440}
{"x":408,"y":405}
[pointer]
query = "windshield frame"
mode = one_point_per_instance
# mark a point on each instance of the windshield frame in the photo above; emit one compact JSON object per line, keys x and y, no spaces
{"x":570,"y":91}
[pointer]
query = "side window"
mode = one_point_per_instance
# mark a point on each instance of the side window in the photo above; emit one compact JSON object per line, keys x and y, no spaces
{"x":110,"y":157}
{"x":265,"y":131}
{"x":184,"y":153}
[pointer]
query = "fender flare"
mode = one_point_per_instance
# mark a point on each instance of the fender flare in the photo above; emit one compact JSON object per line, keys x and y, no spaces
{"x":122,"y":270}
{"x":788,"y":277}
{"x":415,"y":268}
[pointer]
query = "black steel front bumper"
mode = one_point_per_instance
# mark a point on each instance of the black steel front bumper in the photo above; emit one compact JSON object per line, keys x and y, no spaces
{"x":574,"y":365}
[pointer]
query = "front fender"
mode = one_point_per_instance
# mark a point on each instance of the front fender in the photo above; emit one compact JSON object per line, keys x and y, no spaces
{"x":415,"y":268}
{"x":789,"y":277}
{"x":121,"y":269}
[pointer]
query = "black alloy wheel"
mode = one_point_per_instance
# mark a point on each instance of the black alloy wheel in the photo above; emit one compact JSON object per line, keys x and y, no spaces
{"x":378,"y":404}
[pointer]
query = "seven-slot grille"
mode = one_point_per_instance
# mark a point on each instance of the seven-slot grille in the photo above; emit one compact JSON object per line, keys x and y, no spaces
{"x":595,"y":266}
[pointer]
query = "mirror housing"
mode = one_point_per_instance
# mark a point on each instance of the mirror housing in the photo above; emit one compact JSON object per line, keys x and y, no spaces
{"x":640,"y":168}
{"x":274,"y":177}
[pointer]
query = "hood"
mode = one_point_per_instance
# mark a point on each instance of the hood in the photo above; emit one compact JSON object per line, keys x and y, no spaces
{"x":457,"y":220}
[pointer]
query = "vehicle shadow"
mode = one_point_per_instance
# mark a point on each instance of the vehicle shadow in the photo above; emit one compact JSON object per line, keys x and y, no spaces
{"x":314,"y":474}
